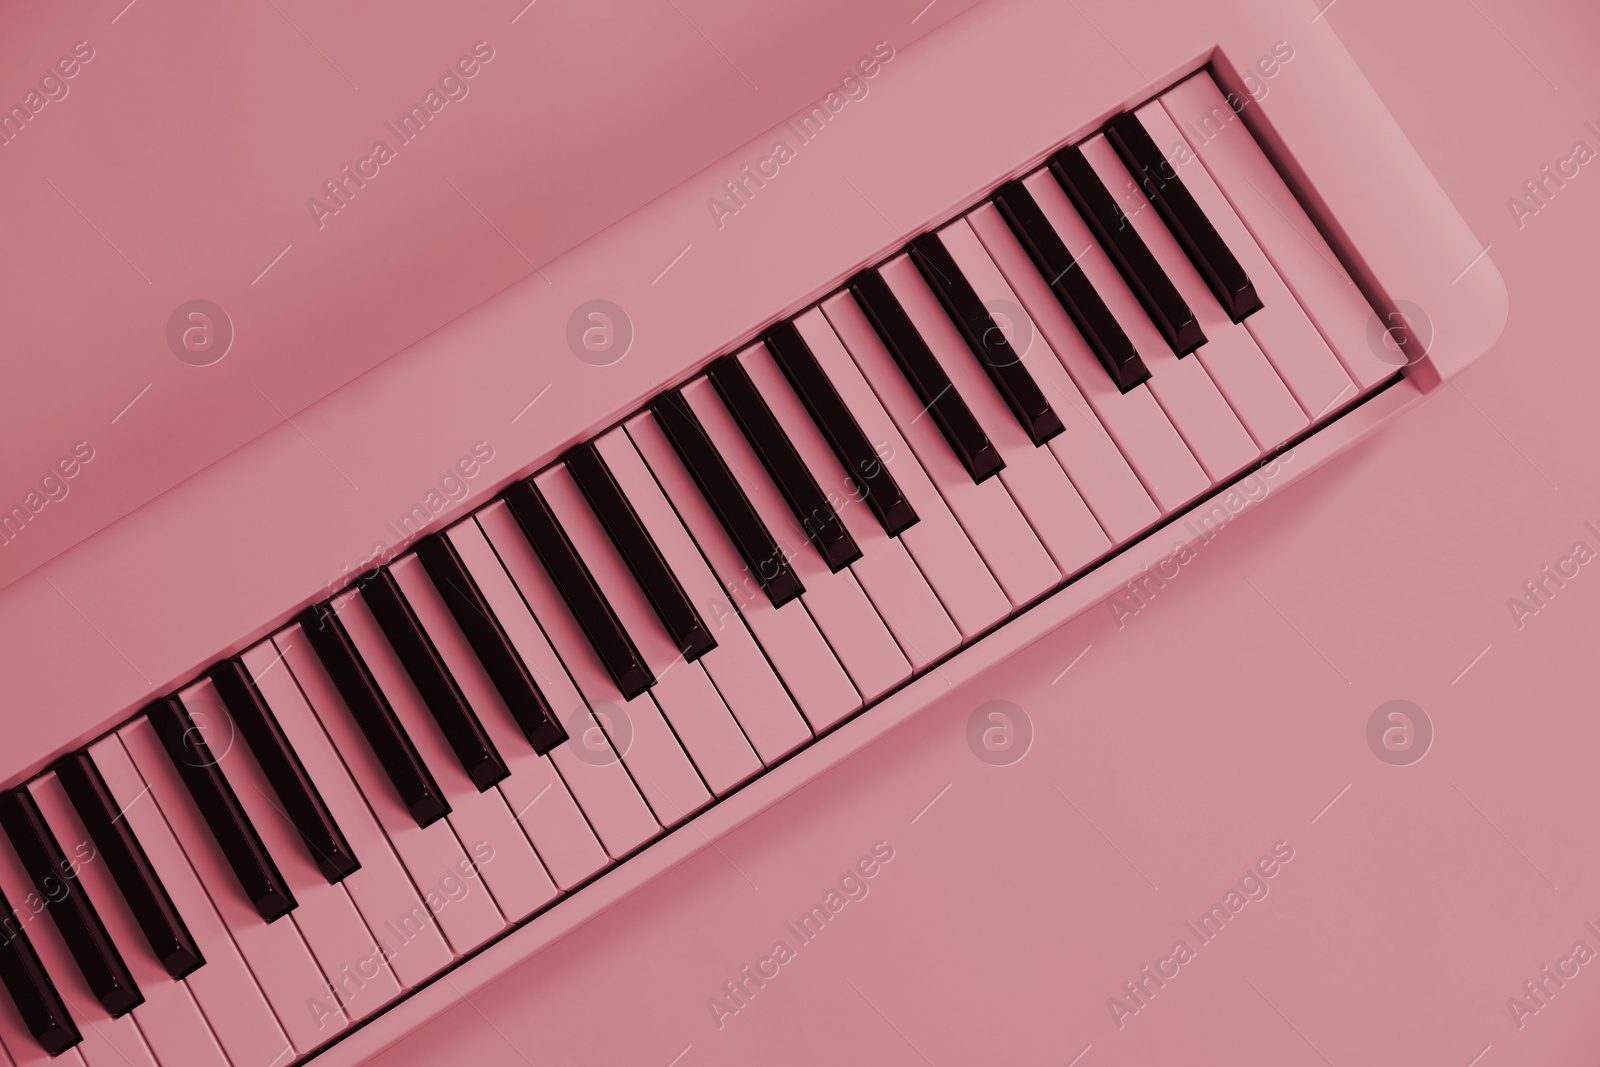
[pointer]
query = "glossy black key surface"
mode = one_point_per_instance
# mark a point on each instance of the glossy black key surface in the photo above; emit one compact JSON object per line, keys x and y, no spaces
{"x":196,"y":763}
{"x":448,"y":705}
{"x":1198,"y":238}
{"x":31,"y":990}
{"x":928,"y":380}
{"x":147,"y":898}
{"x":638,"y":549}
{"x":55,"y":877}
{"x":1076,"y":294}
{"x":987,"y":341}
{"x":297,"y":795}
{"x":1127,"y":251}
{"x":761,"y":554}
{"x":856,"y":454}
{"x":493,"y":648}
{"x":373,"y":716}
{"x":777,"y":454}
{"x":579,"y":589}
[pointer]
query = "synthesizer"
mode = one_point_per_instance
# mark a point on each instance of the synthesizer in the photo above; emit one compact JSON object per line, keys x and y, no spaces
{"x":740,"y":539}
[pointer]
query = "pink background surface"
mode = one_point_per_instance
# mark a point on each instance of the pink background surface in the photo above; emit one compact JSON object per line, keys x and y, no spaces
{"x":1223,"y":718}
{"x":1178,"y":750}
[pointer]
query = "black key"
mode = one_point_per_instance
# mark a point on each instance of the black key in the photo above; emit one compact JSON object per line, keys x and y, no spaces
{"x":987,"y":341}
{"x":196,"y":764}
{"x":147,"y":898}
{"x":1183,"y":216}
{"x":456,"y":719}
{"x":30,"y":987}
{"x":579,"y":589}
{"x":56,"y":879}
{"x":299,"y":797}
{"x":789,"y":472}
{"x":493,"y":648}
{"x":866,"y":468}
{"x":374,"y":717}
{"x":928,"y":380}
{"x":1100,"y":329}
{"x":1127,"y":250}
{"x":761,"y":554}
{"x":638,"y":549}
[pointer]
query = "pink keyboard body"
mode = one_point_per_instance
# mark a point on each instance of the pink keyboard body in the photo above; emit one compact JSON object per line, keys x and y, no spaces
{"x":1007,"y":905}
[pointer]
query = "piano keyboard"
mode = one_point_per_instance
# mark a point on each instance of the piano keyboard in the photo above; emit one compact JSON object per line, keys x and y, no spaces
{"x":482,"y":726}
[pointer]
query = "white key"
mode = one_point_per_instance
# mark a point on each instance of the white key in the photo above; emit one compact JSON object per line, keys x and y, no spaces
{"x":703,"y":724}
{"x":1031,"y":475}
{"x":601,"y":788}
{"x":482,"y":822}
{"x":742,"y":675}
{"x":381,"y":889}
{"x":169,"y":1018}
{"x":787,"y":635}
{"x":986,"y":512}
{"x":1134,"y":421}
{"x":1181,"y":386}
{"x":637,"y":732}
{"x":107,"y":1042}
{"x":887,"y":573}
{"x":842,"y":611}
{"x":224,"y":988}
{"x":1097,"y":469}
{"x":359,"y":979}
{"x":285,"y":969}
{"x":440,"y":868}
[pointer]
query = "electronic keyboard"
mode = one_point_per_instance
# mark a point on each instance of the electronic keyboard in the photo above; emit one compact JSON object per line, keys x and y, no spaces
{"x":303,"y":747}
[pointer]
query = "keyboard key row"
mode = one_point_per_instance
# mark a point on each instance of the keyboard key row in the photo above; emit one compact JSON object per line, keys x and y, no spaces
{"x":485,"y":723}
